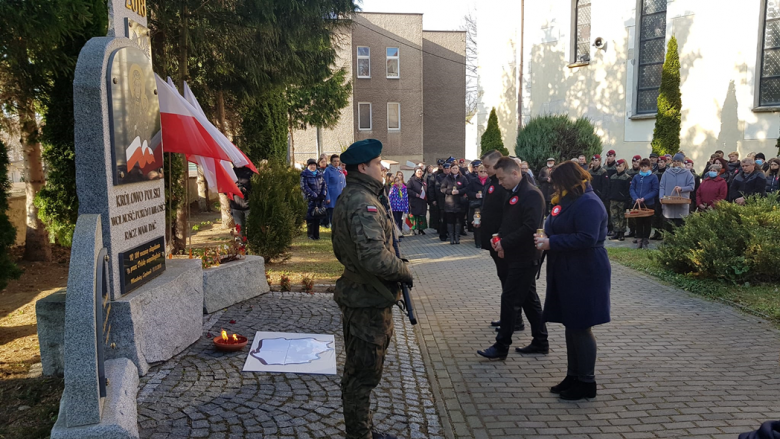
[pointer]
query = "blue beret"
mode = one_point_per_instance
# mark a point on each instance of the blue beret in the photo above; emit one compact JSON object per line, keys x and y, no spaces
{"x":362,"y":151}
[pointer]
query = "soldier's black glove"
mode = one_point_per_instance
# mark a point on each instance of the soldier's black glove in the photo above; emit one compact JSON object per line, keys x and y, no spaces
{"x":409,"y":284}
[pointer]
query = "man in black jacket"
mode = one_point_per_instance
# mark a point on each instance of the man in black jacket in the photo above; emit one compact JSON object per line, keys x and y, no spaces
{"x":522,"y":217}
{"x":749,"y":181}
{"x":442,"y":226}
{"x":493,"y":198}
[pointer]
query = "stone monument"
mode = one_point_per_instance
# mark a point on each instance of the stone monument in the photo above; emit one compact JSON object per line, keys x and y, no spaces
{"x":155,"y":310}
{"x":126,"y":306}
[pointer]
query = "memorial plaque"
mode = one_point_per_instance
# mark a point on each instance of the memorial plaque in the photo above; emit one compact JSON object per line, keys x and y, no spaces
{"x":134,"y":116}
{"x":141,"y":264}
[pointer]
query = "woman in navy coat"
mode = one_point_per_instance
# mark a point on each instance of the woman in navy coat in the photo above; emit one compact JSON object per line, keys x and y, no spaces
{"x":578,"y":274}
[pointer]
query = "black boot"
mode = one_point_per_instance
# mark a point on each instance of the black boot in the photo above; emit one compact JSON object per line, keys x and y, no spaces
{"x":534,"y":349}
{"x":621,"y":236}
{"x":451,"y":233}
{"x":579,"y":391}
{"x":566,"y":384}
{"x":457,"y":235}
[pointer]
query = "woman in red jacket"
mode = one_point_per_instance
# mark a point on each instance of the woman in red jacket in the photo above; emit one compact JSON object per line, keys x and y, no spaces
{"x":713,"y":188}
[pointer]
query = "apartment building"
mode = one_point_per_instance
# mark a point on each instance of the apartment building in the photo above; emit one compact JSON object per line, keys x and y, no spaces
{"x":409,"y":91}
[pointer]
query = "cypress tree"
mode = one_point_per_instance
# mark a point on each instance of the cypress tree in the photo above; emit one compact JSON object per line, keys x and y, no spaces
{"x":8,"y":270}
{"x":491,"y":138}
{"x":666,"y":135}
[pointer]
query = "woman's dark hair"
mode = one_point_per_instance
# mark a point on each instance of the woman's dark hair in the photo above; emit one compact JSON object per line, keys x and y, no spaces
{"x":645,"y":162}
{"x":569,"y":177}
{"x":724,"y":164}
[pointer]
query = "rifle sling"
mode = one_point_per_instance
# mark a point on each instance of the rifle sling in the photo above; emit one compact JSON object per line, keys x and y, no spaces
{"x":365,"y":278}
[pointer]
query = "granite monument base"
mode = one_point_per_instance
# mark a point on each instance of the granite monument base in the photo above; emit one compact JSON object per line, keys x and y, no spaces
{"x":233,"y":282}
{"x":50,"y":314}
{"x":159,"y":319}
{"x":119,"y":418}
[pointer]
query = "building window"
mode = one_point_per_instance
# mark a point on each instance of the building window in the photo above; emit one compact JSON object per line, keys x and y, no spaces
{"x":769,"y":85}
{"x":652,"y":47}
{"x":364,"y":116}
{"x":393,"y":63}
{"x":393,"y":116}
{"x":582,"y":31}
{"x":364,"y":62}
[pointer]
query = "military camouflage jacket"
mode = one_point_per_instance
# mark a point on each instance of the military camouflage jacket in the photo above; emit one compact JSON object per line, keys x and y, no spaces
{"x":363,"y":234}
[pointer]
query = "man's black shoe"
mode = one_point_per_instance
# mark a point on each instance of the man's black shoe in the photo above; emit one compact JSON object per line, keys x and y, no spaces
{"x":494,"y":353}
{"x":376,"y":435}
{"x":533,"y":349}
{"x":566,"y":384}
{"x":495,"y":323}
{"x":579,"y":391}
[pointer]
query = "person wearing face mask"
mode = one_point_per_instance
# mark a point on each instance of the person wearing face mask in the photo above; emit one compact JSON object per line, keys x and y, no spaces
{"x":761,"y":162}
{"x":676,"y":181}
{"x":713,"y":188}
{"x":545,"y":185}
{"x":773,"y":176}
{"x":455,"y":189}
{"x":644,"y":191}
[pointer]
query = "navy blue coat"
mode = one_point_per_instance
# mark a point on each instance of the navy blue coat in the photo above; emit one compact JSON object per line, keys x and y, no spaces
{"x":644,"y":187}
{"x":578,"y":270}
{"x":314,"y":190}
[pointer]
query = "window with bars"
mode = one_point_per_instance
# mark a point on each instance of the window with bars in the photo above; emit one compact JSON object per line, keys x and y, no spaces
{"x":364,"y":116}
{"x":363,"y":62}
{"x":769,"y":83}
{"x":581,"y":31}
{"x":652,"y":48}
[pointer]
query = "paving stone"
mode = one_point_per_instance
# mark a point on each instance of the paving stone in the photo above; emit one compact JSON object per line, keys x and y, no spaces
{"x":203,"y":393}
{"x":664,"y":352}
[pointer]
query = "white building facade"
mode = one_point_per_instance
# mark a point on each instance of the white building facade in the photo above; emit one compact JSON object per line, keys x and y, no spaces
{"x":602,"y":59}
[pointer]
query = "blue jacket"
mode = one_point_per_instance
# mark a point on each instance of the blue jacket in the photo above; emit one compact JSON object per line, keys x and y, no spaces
{"x":644,"y":187}
{"x":335,"y":180}
{"x":578,"y":269}
{"x":314,"y":190}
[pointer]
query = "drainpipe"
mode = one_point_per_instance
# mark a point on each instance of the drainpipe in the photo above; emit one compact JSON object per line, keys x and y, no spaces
{"x":520,"y":75}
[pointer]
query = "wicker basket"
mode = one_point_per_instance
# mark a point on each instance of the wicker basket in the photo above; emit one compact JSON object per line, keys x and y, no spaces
{"x":675,"y":199}
{"x":639,"y":211}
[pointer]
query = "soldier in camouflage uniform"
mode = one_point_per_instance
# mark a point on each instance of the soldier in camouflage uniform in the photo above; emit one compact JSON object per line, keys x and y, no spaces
{"x":368,"y":289}
{"x":619,"y":198}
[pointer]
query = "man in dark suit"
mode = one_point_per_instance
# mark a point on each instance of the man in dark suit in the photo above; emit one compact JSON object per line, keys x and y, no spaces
{"x":522,"y":217}
{"x":493,"y":198}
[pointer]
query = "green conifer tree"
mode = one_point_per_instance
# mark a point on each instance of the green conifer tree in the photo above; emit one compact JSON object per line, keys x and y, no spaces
{"x":8,"y":270}
{"x":491,"y":138}
{"x":666,"y":135}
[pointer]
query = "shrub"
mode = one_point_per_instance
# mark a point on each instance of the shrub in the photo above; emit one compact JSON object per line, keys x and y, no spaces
{"x":491,"y":138}
{"x":666,"y":134}
{"x":734,"y":243}
{"x":557,"y":136}
{"x":8,"y":270}
{"x":277,"y":210}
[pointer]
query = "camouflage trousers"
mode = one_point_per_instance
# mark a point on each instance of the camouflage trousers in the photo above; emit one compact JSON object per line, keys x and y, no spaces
{"x":617,"y":210}
{"x":367,"y":333}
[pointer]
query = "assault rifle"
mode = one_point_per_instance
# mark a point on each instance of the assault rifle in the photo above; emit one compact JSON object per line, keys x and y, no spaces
{"x":405,"y":304}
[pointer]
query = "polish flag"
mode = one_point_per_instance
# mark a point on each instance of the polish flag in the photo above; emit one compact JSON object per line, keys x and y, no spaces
{"x":183,"y":127}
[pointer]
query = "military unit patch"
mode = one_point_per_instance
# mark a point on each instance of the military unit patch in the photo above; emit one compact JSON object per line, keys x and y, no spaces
{"x":371,"y":208}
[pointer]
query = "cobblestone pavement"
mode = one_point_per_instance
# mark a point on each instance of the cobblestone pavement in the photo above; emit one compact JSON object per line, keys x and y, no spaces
{"x":670,"y":364}
{"x":203,"y":393}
